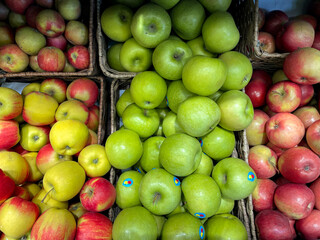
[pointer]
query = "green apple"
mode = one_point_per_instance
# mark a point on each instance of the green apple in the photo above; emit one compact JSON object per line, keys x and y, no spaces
{"x":33,"y":138}
{"x":204,"y":75}
{"x":16,"y":20}
{"x":220,"y":33}
{"x":179,"y":209}
{"x":225,"y":226}
{"x":64,"y":180}
{"x":131,"y":3}
{"x":183,"y":226}
{"x":160,"y":220}
{"x":145,"y":122}
{"x":198,"y":115}
{"x":123,"y":148}
{"x":236,"y":110}
{"x":216,"y":95}
{"x":124,"y":101}
{"x":235,"y":178}
{"x":198,"y":48}
{"x":150,"y":155}
{"x":30,"y":40}
{"x":151,"y":24}
{"x":169,"y":57}
{"x":116,"y":21}
{"x":206,"y":165}
{"x":278,"y":76}
{"x":187,"y":18}
{"x":148,"y":89}
{"x":166,"y":4}
{"x":176,"y":94}
{"x":160,"y":191}
{"x":180,"y":154}
{"x":127,"y":189}
{"x":113,"y":57}
{"x":219,"y":143}
{"x":239,"y":70}
{"x":134,"y":57}
{"x":70,"y":9}
{"x":135,"y":223}
{"x":216,"y":5}
{"x":163,"y":104}
{"x":170,"y":125}
{"x":226,"y":205}
{"x":201,"y":195}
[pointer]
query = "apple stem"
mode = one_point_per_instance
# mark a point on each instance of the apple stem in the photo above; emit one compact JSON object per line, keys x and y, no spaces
{"x":47,"y":194}
{"x":157,"y":197}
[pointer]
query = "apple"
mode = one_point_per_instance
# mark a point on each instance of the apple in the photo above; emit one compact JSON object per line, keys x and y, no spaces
{"x":150,"y":155}
{"x":31,"y":14}
{"x":17,"y":216}
{"x":11,"y":103}
{"x":204,"y":75}
{"x":33,"y":64}
{"x":79,"y":57}
{"x":113,"y":57}
{"x":263,"y":161}
{"x":9,"y":134}
{"x":312,"y":136}
{"x":30,"y":40}
{"x":39,"y":108}
{"x":316,"y":42}
{"x":7,"y":187}
{"x":123,"y":148}
{"x":77,"y":33}
{"x":14,"y":166}
{"x":187,"y":17}
{"x":239,"y":70}
{"x":151,"y":24}
{"x":70,"y":9}
{"x":285,"y":130}
{"x":300,"y":66}
{"x":219,"y":32}
{"x":226,"y":226}
{"x":236,"y":110}
{"x":94,"y":118}
{"x":206,"y":165}
{"x":116,"y":21}
{"x":309,"y":18}
{"x":274,"y":21}
{"x":278,"y":76}
{"x":216,"y":5}
{"x":58,"y":42}
{"x":276,"y":149}
{"x":50,"y":23}
{"x":34,"y":174}
{"x":159,"y":191}
{"x":182,"y":225}
{"x":198,"y":48}
{"x":54,"y":223}
{"x":16,"y":20}
{"x":307,"y":93}
{"x":34,"y":137}
{"x":180,"y":154}
{"x":18,"y":6}
{"x":169,"y":57}
{"x":22,"y":193}
{"x":308,"y":227}
{"x":235,"y":178}
{"x":13,"y":59}
{"x":272,"y":224}
{"x":31,"y":87}
{"x":295,"y":34}
{"x":201,"y":194}
{"x":266,"y":42}
{"x":256,"y":131}
{"x":295,"y":200}
{"x":134,"y":223}
{"x":77,"y":210}
{"x":262,"y":195}
{"x":93,"y":225}
{"x":7,"y":35}
{"x":32,"y":188}
{"x":170,"y":125}
{"x":64,"y":190}
{"x":226,"y":205}
{"x":45,"y":202}
{"x":55,"y":87}
{"x":198,"y":115}
{"x":72,"y":109}
{"x":51,"y":59}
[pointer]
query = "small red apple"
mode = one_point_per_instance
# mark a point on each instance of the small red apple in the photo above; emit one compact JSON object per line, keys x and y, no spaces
{"x":79,"y":57}
{"x":18,"y":6}
{"x":307,"y":93}
{"x":274,"y":21}
{"x":266,"y":42}
{"x":58,"y":42}
{"x":31,"y":15}
{"x":262,"y":195}
{"x":51,"y":59}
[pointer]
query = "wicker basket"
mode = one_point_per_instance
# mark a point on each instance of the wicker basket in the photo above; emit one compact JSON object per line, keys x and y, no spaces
{"x":243,"y":208}
{"x":88,"y":8}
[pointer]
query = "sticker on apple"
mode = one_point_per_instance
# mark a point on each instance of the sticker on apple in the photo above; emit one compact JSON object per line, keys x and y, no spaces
{"x":200,"y":141}
{"x":201,"y":232}
{"x":200,"y":215}
{"x":176,"y":181}
{"x":127,"y":182}
{"x":251,"y":176}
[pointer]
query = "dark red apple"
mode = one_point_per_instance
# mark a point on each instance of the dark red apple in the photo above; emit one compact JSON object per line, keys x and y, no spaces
{"x":58,"y":42}
{"x":7,"y":187}
{"x":262,"y":195}
{"x":79,"y":57}
{"x":31,"y":15}
{"x":18,"y":6}
{"x":266,"y":42}
{"x":307,"y":93}
{"x":51,"y":59}
{"x":309,"y":227}
{"x":274,"y":21}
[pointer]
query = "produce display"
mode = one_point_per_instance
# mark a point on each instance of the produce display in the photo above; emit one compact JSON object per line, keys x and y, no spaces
{"x":43,"y":36}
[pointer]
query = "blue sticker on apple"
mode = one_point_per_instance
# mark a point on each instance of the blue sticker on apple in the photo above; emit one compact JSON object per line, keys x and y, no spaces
{"x":176,"y":181}
{"x":251,"y":176}
{"x":200,"y":215}
{"x":201,"y":142}
{"x":127,"y":182}
{"x":138,"y":170}
{"x":167,"y":102}
{"x":201,"y":232}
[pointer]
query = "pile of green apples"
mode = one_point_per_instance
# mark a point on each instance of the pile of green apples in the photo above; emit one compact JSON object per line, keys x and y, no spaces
{"x":178,"y":177}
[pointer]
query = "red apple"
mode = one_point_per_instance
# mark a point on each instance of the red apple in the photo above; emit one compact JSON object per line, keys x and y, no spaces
{"x":302,"y":66}
{"x":316,"y":41}
{"x":272,"y":224}
{"x":93,"y":121}
{"x":9,"y":134}
{"x":299,"y":165}
{"x":284,"y":96}
{"x":276,"y":149}
{"x":97,"y":194}
{"x":13,"y":59}
{"x":79,"y":57}
{"x":83,"y":89}
{"x":31,"y":15}
{"x":285,"y":130}
{"x":307,"y":114}
{"x":22,"y":193}
{"x":18,"y":6}
{"x":18,"y":149}
{"x":313,"y":136}
{"x":55,"y":87}
{"x":309,"y":227}
{"x":45,"y":3}
{"x":51,"y":59}
{"x":294,"y":200}
{"x":6,"y":34}
{"x":58,"y":42}
{"x":258,"y":86}
{"x":315,"y":187}
{"x":256,"y":131}
{"x":274,"y":21}
{"x":262,"y":195}
{"x":7,"y":187}
{"x":266,"y":42}
{"x":50,"y":23}
{"x":261,"y":18}
{"x":33,"y":63}
{"x":94,"y":226}
{"x":307,"y":93}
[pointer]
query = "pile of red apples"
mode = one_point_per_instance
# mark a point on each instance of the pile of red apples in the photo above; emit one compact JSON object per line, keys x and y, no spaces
{"x":43,"y":36}
{"x":284,"y":141}
{"x":283,"y":34}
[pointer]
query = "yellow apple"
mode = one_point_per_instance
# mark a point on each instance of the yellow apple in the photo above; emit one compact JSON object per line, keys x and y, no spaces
{"x":33,"y":138}
{"x":34,"y":173}
{"x":31,"y":87}
{"x":45,"y":202}
{"x":11,"y":103}
{"x":77,"y":209}
{"x":32,"y":188}
{"x":72,"y":109}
